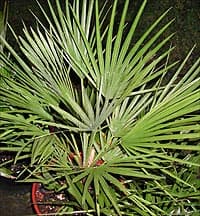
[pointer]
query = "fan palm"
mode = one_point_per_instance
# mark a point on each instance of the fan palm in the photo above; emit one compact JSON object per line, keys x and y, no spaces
{"x":3,"y":20}
{"x":3,"y":29}
{"x":91,"y":112}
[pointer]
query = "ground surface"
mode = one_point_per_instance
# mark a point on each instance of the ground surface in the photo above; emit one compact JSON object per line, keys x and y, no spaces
{"x":14,"y":198}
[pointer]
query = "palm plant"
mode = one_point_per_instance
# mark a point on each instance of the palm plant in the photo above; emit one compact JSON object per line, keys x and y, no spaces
{"x":3,"y":21}
{"x":3,"y":30}
{"x":91,"y":113}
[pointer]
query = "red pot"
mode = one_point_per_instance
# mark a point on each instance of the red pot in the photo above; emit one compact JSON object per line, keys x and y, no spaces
{"x":38,"y":194}
{"x":42,"y":200}
{"x":34,"y":196}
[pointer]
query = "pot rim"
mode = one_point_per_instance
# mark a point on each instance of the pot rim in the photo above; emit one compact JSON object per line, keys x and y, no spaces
{"x":35,"y":186}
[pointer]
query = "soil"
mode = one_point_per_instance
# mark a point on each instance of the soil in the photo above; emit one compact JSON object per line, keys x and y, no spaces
{"x":48,"y":201}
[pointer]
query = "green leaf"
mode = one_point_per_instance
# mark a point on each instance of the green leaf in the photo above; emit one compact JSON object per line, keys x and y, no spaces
{"x":111,"y":196}
{"x":130,"y":172}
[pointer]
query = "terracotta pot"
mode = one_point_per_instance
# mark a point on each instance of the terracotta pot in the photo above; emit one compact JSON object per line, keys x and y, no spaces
{"x":42,"y":200}
{"x":34,"y":196}
{"x":39,"y":194}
